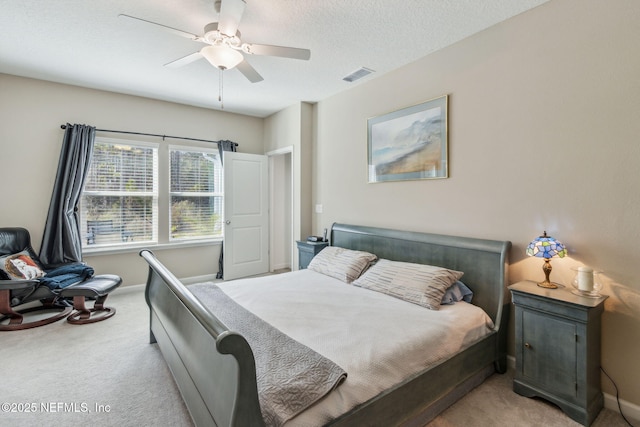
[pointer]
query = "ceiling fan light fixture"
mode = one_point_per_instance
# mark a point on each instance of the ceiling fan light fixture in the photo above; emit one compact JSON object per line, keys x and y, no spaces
{"x":222,"y":57}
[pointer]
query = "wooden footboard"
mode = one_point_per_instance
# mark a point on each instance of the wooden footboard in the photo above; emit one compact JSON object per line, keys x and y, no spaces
{"x":213,"y":367}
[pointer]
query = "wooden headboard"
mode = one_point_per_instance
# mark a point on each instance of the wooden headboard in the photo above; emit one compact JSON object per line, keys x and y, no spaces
{"x":484,"y":262}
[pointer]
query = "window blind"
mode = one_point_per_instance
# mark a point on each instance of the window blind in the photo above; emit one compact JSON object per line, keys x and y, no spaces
{"x":196,"y":193}
{"x":120,"y":197}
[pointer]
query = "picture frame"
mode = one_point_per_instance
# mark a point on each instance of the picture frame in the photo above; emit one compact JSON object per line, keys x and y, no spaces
{"x":410,"y":143}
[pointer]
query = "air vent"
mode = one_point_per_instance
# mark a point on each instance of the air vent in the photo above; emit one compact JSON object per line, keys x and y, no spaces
{"x":358,"y":74}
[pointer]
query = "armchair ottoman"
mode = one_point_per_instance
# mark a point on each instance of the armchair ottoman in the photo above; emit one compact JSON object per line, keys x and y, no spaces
{"x":98,"y":288}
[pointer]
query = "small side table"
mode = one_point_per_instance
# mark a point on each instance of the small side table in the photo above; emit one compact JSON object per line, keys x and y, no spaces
{"x":307,"y":250}
{"x":558,"y":348}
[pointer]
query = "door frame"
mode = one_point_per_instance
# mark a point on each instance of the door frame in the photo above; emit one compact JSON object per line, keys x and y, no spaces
{"x":270,"y":155}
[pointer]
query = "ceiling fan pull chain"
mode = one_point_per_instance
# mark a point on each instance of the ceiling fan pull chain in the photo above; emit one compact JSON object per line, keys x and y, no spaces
{"x":220,"y":90}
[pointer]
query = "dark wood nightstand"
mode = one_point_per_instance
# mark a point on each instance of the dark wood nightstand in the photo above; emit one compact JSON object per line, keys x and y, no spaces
{"x":307,"y":250}
{"x":558,"y":348}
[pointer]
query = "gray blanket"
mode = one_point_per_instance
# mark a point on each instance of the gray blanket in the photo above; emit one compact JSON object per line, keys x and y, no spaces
{"x":291,"y":377}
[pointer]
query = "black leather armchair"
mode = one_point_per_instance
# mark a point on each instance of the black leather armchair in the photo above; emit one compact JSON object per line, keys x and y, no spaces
{"x":16,"y":292}
{"x":24,"y":289}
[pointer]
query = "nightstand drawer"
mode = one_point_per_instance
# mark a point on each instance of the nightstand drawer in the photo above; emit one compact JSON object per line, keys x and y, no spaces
{"x":541,"y":303}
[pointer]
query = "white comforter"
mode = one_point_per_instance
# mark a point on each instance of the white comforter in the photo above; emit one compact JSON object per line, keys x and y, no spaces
{"x":379,"y":340}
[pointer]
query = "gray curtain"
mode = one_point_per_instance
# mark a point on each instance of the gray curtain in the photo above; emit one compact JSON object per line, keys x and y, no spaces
{"x":225,"y":145}
{"x":61,"y":242}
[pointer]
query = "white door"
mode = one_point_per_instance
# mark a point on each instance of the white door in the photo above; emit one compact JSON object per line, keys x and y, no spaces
{"x":246,"y":216}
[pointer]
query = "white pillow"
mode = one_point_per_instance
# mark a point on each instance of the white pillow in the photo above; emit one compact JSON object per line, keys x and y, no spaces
{"x":343,"y":264}
{"x":419,"y":284}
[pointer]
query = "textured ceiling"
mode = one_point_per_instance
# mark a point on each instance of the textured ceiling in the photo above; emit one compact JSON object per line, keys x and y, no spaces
{"x":85,"y":43}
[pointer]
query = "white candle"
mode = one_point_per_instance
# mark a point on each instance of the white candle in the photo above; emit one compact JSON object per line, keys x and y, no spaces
{"x":585,"y":279}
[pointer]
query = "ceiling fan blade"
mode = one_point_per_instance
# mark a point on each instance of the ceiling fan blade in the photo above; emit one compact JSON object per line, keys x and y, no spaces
{"x":164,"y":27}
{"x":184,"y":60}
{"x":230,"y":14}
{"x":281,"y":51}
{"x":249,"y":72}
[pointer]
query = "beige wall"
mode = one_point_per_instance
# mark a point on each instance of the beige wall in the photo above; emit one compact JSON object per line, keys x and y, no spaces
{"x":544,"y":119}
{"x":292,"y":127}
{"x":31,"y":113}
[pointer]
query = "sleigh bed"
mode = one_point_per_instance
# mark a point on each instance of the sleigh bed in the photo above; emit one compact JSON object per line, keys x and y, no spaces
{"x":215,"y":366}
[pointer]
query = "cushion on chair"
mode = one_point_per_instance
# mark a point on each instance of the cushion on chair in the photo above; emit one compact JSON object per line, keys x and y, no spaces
{"x":20,"y":266}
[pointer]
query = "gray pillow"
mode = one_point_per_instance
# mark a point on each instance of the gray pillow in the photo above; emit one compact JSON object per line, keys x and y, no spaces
{"x":457,"y":292}
{"x":420,"y":284}
{"x":343,"y":264}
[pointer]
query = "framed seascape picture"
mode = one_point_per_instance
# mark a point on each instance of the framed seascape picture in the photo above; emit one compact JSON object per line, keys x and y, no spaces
{"x":410,"y":143}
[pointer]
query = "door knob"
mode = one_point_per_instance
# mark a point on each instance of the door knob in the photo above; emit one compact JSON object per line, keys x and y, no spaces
{"x":527,"y":345}
{"x":227,"y":222}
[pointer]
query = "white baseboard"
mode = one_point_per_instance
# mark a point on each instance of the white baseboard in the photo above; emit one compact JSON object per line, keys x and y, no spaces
{"x":128,"y":289}
{"x":511,"y":363}
{"x":186,"y":281}
{"x":631,"y":411}
{"x":199,"y":279}
{"x":281,"y":266}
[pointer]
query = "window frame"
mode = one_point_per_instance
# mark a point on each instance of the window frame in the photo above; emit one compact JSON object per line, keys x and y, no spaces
{"x":162,"y":222}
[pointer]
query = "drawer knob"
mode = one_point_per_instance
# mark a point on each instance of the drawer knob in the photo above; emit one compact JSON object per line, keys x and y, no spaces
{"x":527,"y":345}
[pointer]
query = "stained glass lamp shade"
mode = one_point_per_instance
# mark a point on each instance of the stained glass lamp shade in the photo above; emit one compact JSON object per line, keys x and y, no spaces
{"x":546,"y":247}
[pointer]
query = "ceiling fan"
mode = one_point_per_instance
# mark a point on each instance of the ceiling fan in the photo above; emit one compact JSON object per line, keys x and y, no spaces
{"x":224,"y":48}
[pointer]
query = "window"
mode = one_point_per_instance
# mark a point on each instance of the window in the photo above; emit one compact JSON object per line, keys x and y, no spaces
{"x":119,"y":203}
{"x":195,"y":193}
{"x":138,"y":193}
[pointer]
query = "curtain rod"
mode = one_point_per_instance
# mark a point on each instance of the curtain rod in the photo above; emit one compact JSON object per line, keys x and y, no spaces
{"x":151,"y":134}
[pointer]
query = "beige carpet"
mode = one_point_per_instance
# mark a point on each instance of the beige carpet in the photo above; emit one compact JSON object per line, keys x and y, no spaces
{"x":108,"y":374}
{"x":493,"y":403}
{"x":104,"y":373}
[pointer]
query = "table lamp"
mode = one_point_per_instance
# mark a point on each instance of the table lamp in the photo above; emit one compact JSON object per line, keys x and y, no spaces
{"x":546,"y":247}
